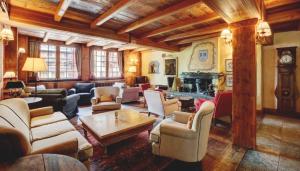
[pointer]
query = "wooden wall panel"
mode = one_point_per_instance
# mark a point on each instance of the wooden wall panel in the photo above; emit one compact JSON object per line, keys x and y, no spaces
{"x":22,"y":43}
{"x":11,"y":53}
{"x":131,"y":58}
{"x":244,"y":83}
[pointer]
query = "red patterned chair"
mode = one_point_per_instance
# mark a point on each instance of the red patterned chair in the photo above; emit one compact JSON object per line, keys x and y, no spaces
{"x":223,"y":103}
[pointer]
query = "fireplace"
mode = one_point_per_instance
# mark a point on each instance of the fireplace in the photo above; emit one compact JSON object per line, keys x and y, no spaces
{"x":199,"y":82}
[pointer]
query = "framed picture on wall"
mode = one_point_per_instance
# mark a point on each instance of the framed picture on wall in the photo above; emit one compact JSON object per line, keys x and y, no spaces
{"x":229,"y":80}
{"x":228,"y":65}
{"x":171,"y":66}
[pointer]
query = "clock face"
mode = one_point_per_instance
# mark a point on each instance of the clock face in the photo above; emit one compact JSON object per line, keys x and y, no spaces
{"x":286,"y":59}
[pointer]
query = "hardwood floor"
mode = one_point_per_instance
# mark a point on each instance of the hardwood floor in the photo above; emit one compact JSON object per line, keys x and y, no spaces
{"x":278,"y":146}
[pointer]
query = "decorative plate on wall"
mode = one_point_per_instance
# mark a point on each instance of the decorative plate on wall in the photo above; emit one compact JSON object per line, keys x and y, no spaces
{"x":203,"y":57}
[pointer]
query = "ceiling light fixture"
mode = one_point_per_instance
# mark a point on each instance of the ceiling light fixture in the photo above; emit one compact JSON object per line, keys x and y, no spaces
{"x":6,"y":34}
{"x":263,"y":28}
{"x":226,"y":34}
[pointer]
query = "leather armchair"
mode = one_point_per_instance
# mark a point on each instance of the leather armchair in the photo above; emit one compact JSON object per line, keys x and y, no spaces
{"x":85,"y":91}
{"x":172,"y":137}
{"x":158,"y":105}
{"x":113,"y":92}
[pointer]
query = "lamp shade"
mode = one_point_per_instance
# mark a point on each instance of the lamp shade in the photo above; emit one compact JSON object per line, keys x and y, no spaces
{"x":9,"y":74}
{"x":7,"y":34}
{"x":35,"y":65}
{"x":14,"y":84}
{"x":263,"y":29}
{"x":132,"y":68}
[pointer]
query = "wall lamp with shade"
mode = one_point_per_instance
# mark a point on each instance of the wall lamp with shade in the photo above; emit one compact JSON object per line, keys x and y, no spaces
{"x":226,"y":34}
{"x":6,"y":34}
{"x":35,"y":65}
{"x":9,"y":75}
{"x":132,"y":69}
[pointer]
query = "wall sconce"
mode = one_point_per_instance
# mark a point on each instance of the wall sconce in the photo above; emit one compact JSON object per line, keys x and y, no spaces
{"x":21,"y":51}
{"x":6,"y":34}
{"x":263,"y":30}
{"x":227,"y":36}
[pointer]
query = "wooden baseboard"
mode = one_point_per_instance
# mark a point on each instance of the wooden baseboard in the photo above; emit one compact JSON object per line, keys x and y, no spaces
{"x":275,"y":112}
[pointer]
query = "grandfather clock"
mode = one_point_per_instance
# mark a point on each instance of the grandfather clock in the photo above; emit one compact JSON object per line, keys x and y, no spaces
{"x":286,"y":80}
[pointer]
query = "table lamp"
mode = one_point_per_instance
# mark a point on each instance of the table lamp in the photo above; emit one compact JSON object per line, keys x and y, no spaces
{"x":14,"y":85}
{"x":35,"y":65}
{"x":10,"y":75}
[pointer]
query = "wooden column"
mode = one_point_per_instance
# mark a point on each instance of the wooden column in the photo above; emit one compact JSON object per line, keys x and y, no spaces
{"x":11,"y":53}
{"x":85,"y":63}
{"x":244,"y":83}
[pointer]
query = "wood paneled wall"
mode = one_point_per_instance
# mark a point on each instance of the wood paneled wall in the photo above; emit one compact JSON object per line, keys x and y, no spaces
{"x":14,"y":62}
{"x":132,"y":58}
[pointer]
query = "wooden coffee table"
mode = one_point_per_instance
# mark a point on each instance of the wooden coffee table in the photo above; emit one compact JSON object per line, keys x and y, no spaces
{"x":109,"y":130}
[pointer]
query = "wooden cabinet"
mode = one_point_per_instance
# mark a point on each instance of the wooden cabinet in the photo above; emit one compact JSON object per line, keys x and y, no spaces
{"x":286,"y":80}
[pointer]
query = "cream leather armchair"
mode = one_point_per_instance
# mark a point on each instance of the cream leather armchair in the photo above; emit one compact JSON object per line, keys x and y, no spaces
{"x":172,"y":137}
{"x":158,"y":105}
{"x":115,"y":104}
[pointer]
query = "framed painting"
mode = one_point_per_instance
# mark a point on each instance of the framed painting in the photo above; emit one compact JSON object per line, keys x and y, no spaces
{"x":228,"y":65}
{"x":171,"y":66}
{"x":153,"y":67}
{"x":229,"y":80}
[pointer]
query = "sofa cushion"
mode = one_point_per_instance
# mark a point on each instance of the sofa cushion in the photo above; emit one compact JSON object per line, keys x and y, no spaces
{"x":106,"y":99}
{"x":106,"y":106}
{"x":50,"y":130}
{"x":47,"y":119}
{"x":84,"y":147}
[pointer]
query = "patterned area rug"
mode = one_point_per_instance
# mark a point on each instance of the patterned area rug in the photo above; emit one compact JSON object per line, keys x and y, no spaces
{"x":132,"y":154}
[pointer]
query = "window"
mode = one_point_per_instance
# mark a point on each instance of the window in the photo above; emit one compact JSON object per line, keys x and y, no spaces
{"x":106,"y":64}
{"x":48,"y":52}
{"x":62,"y":65}
{"x":68,"y":67}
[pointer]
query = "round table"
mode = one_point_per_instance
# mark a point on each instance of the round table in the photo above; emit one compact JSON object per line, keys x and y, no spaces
{"x":46,"y":162}
{"x":31,"y":100}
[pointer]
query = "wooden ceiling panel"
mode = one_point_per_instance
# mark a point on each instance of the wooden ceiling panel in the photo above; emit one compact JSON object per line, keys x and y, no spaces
{"x":277,"y":3}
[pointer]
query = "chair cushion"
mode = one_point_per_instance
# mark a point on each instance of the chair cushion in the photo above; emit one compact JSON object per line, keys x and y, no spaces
{"x":106,"y":106}
{"x":106,"y":98}
{"x":50,"y":130}
{"x":84,"y":87}
{"x":47,"y":119}
{"x":84,"y":147}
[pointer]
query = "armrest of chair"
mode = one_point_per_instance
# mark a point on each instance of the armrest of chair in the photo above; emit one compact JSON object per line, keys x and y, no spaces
{"x":181,"y":132}
{"x":92,"y":91}
{"x":68,"y":147}
{"x":181,"y":117}
{"x":119,"y":99}
{"x":94,"y":100}
{"x":71,"y":91}
{"x":41,"y":111}
{"x":170,"y":102}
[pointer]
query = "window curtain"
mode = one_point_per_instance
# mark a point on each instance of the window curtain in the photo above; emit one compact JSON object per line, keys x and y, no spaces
{"x":78,"y":56}
{"x":120,"y":62}
{"x":92,"y":61}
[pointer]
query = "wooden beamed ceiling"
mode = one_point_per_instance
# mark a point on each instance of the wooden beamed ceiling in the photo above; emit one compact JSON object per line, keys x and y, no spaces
{"x":167,"y":24}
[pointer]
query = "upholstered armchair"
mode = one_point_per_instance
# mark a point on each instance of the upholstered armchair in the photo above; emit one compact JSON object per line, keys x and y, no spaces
{"x":85,"y":91}
{"x":106,"y":98}
{"x":128,"y":94}
{"x":158,"y":105}
{"x":223,"y":103}
{"x":173,"y":138}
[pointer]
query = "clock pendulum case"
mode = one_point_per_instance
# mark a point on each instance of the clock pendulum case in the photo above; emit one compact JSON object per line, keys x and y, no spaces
{"x":286,"y":81}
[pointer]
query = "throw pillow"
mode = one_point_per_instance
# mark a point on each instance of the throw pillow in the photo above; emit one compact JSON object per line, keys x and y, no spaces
{"x":106,"y":99}
{"x":190,"y":120}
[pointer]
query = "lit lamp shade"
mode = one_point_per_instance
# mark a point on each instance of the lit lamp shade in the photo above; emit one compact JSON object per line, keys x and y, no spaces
{"x":9,"y":74}
{"x":226,"y":34}
{"x":263,"y":29}
{"x":132,"y":68}
{"x":7,"y":34}
{"x":35,"y":65}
